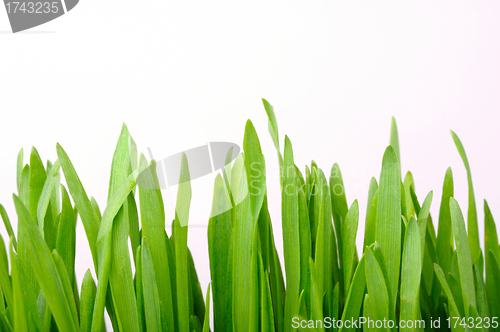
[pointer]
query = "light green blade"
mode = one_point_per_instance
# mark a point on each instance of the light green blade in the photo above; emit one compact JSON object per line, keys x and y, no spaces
{"x":291,"y":242}
{"x":45,"y":270}
{"x":388,"y":224}
{"x":151,"y":297}
{"x":472,"y":227}
{"x":464,"y":257}
{"x":410,"y":274}
{"x":181,"y":234}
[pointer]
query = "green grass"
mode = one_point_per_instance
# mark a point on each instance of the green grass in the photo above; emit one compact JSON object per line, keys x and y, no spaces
{"x":405,"y":272}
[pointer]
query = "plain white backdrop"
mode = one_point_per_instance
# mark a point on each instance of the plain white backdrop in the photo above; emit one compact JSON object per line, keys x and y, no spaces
{"x":181,"y":74}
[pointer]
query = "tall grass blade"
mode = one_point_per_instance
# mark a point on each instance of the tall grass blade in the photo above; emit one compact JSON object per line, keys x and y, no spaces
{"x":151,"y":297}
{"x":153,"y":227}
{"x":388,"y":222}
{"x":181,"y":234}
{"x":45,"y":270}
{"x":472,"y":227}
{"x":464,"y":257}
{"x":410,"y":274}
{"x":291,"y":241}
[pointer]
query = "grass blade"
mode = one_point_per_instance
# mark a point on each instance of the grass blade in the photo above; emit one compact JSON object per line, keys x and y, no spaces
{"x":45,"y":270}
{"x":388,"y":224}
{"x":349,"y":230}
{"x":291,"y":241}
{"x":87,"y":302}
{"x":87,"y":213}
{"x":472,"y":227}
{"x":153,"y":226}
{"x":181,"y":233}
{"x":445,"y":229}
{"x":410,"y":274}
{"x":151,"y":297}
{"x":464,"y":257}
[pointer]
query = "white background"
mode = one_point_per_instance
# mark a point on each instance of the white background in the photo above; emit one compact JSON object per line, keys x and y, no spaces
{"x":181,"y":74}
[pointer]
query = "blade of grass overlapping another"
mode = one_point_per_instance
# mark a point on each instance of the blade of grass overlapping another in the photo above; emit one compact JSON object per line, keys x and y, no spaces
{"x":181,"y":234}
{"x":242,"y":242}
{"x":87,"y":213}
{"x":394,"y":141}
{"x":408,"y":183}
{"x":87,"y":302}
{"x":19,"y":314}
{"x":206,"y":322}
{"x":19,"y":169}
{"x":151,"y":296}
{"x":472,"y":227}
{"x":339,"y":212}
{"x":120,"y":276}
{"x":490,"y":233}
{"x":388,"y":222}
{"x":492,"y":285}
{"x":464,"y":257}
{"x":153,"y":226}
{"x":445,"y":230}
{"x":43,"y":204}
{"x":219,"y":248}
{"x":273,"y":129}
{"x":452,"y":306}
{"x":376,"y":285}
{"x":291,"y":242}
{"x":195,"y":292}
{"x":104,"y":246}
{"x":66,"y":235}
{"x":371,"y":222}
{"x":5,"y":281}
{"x":46,"y":272}
{"x":411,"y":266}
{"x":349,"y":230}
{"x":8,"y":225}
{"x":356,"y":294}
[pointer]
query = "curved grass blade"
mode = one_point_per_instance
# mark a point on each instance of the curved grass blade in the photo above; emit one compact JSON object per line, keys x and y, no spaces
{"x":68,"y":289}
{"x":87,"y":213}
{"x":8,"y":225}
{"x":472,"y":227}
{"x":273,"y":129}
{"x":492,"y":285}
{"x":452,"y":307}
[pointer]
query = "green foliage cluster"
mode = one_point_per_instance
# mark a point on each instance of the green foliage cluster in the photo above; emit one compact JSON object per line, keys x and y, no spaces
{"x":406,"y":271}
